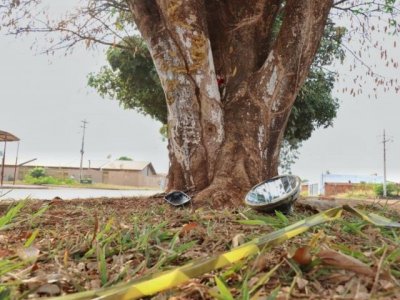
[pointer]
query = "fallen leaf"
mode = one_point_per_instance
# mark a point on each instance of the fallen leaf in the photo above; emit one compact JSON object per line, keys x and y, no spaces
{"x":261,"y":262}
{"x":337,"y":278}
{"x":302,"y":255}
{"x":386,"y":285}
{"x":343,"y":261}
{"x":24,"y":235}
{"x":5,"y":252}
{"x":238,"y":240}
{"x":35,"y":267}
{"x":188,"y":227}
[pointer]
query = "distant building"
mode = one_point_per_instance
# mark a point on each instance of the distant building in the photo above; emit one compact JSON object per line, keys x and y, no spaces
{"x":310,"y":188}
{"x":332,"y":184}
{"x":130,"y":173}
{"x":119,"y":172}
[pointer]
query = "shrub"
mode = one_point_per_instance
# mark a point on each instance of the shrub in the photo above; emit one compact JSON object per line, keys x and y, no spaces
{"x":37,"y":172}
{"x":391,"y":189}
{"x":47,"y":180}
{"x":39,"y":180}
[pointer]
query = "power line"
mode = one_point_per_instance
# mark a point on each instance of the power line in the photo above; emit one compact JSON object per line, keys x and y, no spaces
{"x":84,"y":122}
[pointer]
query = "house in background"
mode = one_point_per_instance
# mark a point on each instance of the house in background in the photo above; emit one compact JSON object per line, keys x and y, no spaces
{"x":333,"y":184}
{"x":119,"y":172}
{"x":310,"y":188}
{"x":130,"y":173}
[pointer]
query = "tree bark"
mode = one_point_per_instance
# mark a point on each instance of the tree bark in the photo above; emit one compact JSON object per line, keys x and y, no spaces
{"x":223,"y":140}
{"x":177,"y":37}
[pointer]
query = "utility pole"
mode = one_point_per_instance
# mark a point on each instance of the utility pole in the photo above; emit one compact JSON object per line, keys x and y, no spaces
{"x":84,"y":122}
{"x":384,"y":141}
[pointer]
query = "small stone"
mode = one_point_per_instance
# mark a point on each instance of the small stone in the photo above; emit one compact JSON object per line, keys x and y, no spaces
{"x":301,"y":283}
{"x":30,"y":254}
{"x":49,"y":289}
{"x":81,"y":266}
{"x":238,"y":240}
{"x":340,"y":289}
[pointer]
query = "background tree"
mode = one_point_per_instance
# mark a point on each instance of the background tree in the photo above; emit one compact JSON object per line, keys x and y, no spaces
{"x":125,"y":158}
{"x":221,"y":140}
{"x":37,"y":172}
{"x":132,"y":79}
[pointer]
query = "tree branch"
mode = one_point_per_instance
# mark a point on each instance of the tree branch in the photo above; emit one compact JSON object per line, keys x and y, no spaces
{"x":232,"y":24}
{"x":93,"y":23}
{"x":294,"y":50}
{"x":146,"y":16}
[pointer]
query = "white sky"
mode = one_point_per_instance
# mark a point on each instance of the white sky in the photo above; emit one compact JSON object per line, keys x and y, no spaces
{"x":43,"y":99}
{"x":354,"y":144}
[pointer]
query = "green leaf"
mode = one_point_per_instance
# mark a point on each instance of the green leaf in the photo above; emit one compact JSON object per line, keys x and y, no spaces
{"x":40,"y":212}
{"x":11,"y":214}
{"x":32,"y":238}
{"x":394,"y":256}
{"x":102,"y":265}
{"x":274,"y":293}
{"x":281,"y":217}
{"x":5,"y":293}
{"x":223,"y":289}
{"x":265,"y":278}
{"x":252,"y":222}
{"x":244,"y":291}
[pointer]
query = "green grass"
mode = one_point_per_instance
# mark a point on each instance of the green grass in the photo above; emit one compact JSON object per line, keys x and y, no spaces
{"x":95,"y":185}
{"x":11,"y":214}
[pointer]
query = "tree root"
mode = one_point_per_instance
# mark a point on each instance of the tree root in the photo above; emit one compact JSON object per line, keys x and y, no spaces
{"x":220,"y":194}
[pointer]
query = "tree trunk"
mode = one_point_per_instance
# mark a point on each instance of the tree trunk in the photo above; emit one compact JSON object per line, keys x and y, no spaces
{"x":224,"y":139}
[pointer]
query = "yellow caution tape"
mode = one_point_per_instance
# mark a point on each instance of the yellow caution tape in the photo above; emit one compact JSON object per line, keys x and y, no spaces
{"x":168,"y":279}
{"x":372,"y":218}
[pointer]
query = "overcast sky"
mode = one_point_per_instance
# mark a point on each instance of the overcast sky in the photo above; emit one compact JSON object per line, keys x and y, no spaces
{"x":43,"y":100}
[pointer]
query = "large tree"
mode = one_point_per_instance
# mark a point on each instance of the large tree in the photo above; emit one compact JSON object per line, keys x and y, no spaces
{"x":221,"y":140}
{"x":131,"y":78}
{"x":223,"y":144}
